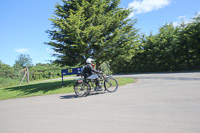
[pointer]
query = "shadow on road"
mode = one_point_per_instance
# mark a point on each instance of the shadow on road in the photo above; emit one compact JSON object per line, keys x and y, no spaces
{"x":73,"y":96}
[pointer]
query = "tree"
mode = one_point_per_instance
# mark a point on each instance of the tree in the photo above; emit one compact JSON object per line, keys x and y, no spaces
{"x":91,"y":28}
{"x":23,"y":61}
{"x":172,"y":49}
{"x":6,"y":71}
{"x":190,"y":43}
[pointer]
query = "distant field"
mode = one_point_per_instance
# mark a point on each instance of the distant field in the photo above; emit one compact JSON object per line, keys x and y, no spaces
{"x":45,"y":88}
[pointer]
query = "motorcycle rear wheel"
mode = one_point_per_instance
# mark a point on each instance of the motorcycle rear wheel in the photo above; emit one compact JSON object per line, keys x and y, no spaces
{"x":82,"y":89}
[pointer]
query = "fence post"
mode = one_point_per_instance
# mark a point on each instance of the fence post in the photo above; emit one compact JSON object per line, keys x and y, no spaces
{"x":27,"y":75}
{"x":62,"y":80}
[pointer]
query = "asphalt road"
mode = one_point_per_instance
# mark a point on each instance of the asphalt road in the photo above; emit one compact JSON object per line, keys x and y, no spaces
{"x":156,"y":103}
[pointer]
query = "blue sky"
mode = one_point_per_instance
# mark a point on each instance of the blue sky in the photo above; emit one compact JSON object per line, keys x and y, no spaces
{"x":23,"y":23}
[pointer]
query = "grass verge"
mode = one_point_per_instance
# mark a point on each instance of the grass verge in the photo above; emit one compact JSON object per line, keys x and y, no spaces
{"x":4,"y":82}
{"x":45,"y":88}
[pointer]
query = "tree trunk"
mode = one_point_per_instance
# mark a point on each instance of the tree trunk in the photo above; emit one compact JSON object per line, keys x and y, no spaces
{"x":97,"y":66}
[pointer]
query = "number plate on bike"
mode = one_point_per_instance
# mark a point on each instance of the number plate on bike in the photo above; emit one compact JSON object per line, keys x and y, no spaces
{"x":80,"y":81}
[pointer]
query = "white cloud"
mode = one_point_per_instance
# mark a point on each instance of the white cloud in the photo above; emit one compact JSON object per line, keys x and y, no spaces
{"x":22,"y":50}
{"x":143,"y":6}
{"x":50,"y":51}
{"x":197,"y":14}
{"x":180,"y":19}
{"x":175,"y":24}
{"x":184,"y":19}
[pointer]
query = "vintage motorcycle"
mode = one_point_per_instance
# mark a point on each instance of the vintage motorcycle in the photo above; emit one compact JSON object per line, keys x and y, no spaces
{"x":83,"y":86}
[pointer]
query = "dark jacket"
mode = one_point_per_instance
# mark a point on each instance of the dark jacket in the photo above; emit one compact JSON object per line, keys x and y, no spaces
{"x":88,"y":70}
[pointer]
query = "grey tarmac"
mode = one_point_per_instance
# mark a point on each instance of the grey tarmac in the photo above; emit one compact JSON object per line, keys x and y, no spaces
{"x":156,"y":103}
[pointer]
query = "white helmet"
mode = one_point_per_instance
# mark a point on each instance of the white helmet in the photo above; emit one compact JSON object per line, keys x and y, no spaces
{"x":89,"y":61}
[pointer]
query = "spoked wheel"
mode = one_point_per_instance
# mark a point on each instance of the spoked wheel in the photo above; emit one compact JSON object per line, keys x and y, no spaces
{"x":111,"y":84}
{"x":82,"y":89}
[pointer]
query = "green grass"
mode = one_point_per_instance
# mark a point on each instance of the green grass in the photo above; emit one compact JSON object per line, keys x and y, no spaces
{"x":8,"y":82}
{"x":45,"y":88}
{"x":4,"y":82}
{"x":124,"y":81}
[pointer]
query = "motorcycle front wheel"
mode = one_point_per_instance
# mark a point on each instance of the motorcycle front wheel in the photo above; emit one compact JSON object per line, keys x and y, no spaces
{"x":111,"y":84}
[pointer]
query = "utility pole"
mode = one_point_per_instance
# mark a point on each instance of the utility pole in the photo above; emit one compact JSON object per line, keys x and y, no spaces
{"x":26,"y":74}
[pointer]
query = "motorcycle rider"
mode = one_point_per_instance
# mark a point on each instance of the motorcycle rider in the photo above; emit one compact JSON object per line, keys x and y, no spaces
{"x":90,"y":73}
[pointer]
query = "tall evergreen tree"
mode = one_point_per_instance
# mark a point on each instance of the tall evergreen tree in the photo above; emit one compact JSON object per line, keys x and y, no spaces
{"x":91,"y":28}
{"x":172,"y":49}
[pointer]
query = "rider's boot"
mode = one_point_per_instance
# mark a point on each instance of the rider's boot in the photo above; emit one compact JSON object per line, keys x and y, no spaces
{"x":98,"y":88}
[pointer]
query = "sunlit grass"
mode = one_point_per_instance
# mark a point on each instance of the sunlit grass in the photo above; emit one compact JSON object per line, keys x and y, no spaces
{"x":45,"y":88}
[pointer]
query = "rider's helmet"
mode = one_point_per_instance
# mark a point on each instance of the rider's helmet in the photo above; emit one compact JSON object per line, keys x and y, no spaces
{"x":89,"y":61}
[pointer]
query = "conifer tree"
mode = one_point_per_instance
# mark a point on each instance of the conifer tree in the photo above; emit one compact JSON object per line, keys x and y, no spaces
{"x":91,"y":28}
